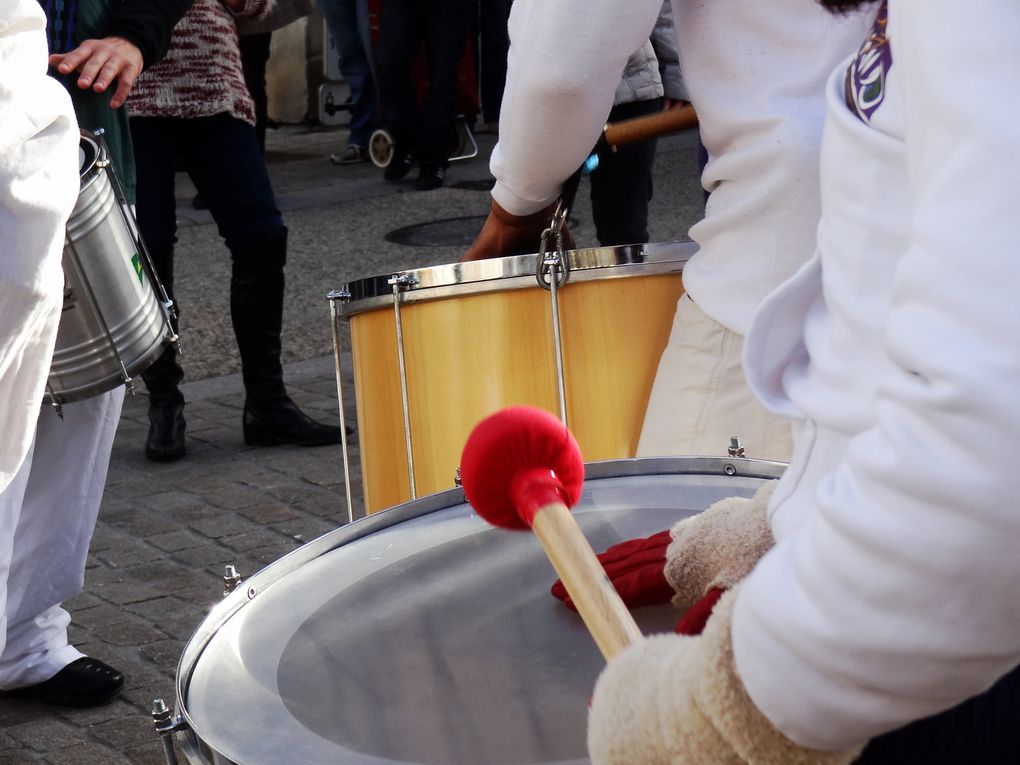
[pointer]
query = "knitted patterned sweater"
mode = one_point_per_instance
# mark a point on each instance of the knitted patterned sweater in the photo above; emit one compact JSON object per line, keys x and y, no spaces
{"x":201,"y":74}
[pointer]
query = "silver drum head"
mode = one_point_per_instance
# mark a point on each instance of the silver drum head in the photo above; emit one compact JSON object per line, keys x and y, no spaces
{"x":432,"y":639}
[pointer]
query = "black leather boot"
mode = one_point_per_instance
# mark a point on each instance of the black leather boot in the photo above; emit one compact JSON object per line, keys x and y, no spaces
{"x":165,"y":442}
{"x":256,"y":309}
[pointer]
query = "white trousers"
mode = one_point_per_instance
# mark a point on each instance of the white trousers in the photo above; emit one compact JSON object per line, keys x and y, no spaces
{"x":47,"y":516}
{"x":700,"y":396}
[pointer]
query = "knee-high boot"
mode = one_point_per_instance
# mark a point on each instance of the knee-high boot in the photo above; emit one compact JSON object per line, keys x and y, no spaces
{"x":256,"y":309}
{"x":165,"y":441}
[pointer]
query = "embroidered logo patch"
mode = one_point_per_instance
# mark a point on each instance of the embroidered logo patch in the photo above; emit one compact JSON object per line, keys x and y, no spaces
{"x":865,"y":77}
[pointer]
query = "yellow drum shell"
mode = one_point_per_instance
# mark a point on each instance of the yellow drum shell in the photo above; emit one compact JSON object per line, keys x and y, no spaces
{"x":491,"y":345}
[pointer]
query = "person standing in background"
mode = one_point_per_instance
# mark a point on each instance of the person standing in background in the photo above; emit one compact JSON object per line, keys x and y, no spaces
{"x":422,"y":134}
{"x":621,"y":186}
{"x":194,"y":107}
{"x":494,"y":43}
{"x":347,"y":22}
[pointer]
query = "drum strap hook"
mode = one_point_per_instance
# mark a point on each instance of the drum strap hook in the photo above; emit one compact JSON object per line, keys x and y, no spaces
{"x":550,"y":248}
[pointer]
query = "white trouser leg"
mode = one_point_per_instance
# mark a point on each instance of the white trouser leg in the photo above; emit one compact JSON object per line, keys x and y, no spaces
{"x":700,"y":396}
{"x":64,"y":489}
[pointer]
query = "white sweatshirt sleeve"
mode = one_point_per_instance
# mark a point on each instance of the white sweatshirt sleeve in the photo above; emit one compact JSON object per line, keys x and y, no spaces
{"x":38,"y":187}
{"x":898,"y":598}
{"x":566,"y":59}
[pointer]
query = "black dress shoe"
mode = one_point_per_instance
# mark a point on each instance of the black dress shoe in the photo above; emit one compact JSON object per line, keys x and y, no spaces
{"x":165,"y":442}
{"x":399,"y":166}
{"x":430,"y":177}
{"x":85,"y":682}
{"x":281,"y":422}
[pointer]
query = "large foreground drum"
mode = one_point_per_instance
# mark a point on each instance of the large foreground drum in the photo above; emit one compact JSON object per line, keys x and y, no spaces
{"x":437,"y":349}
{"x":115,"y":320}
{"x":424,"y":635}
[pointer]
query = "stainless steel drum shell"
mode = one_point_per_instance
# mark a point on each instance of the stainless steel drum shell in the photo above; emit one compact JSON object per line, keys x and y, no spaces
{"x":421,"y":634}
{"x":112,"y":325}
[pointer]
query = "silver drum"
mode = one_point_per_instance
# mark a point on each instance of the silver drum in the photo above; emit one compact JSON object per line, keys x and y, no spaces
{"x":115,"y":320}
{"x":421,"y":634}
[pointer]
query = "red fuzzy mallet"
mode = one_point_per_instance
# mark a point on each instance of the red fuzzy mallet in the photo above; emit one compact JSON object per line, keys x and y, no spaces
{"x":522,"y":468}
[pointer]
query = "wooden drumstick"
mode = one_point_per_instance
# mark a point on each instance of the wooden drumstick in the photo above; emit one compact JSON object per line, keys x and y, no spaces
{"x":521,"y":468}
{"x":617,"y":134}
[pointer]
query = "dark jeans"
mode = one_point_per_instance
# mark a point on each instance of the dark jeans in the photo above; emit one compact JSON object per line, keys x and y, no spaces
{"x":254,"y":58}
{"x":222,"y":156}
{"x":621,"y":187}
{"x":984,"y":730}
{"x":347,"y":21}
{"x":405,"y":28}
{"x":494,"y":44}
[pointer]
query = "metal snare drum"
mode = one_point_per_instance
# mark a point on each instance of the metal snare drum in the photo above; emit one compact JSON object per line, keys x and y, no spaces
{"x":424,"y":635}
{"x":437,"y":349}
{"x":116,"y":315}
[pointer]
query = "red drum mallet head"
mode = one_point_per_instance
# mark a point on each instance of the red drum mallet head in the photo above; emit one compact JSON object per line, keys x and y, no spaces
{"x":517,"y":461}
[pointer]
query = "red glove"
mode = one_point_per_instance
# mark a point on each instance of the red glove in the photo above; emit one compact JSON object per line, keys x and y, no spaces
{"x":636,"y":569}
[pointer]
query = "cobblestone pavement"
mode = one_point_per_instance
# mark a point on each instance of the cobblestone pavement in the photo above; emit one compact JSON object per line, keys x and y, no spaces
{"x":166,"y":531}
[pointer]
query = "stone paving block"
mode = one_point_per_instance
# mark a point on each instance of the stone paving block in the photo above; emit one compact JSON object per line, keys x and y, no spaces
{"x":273,"y":553}
{"x":166,"y":609}
{"x":133,"y":633}
{"x":87,"y":716}
{"x":129,"y":552}
{"x":148,"y":754}
{"x":252,"y":539}
{"x":268,"y":513}
{"x":218,"y":523}
{"x":141,"y":522}
{"x":81,"y":600}
{"x":99,"y":616}
{"x":164,"y":652}
{"x":18,"y":757}
{"x":305,"y":529}
{"x":44,"y":735}
{"x":126,"y":732}
{"x":234,"y":495}
{"x":126,"y":592}
{"x":87,"y":754}
{"x":176,"y":540}
{"x":171,"y":500}
{"x":204,"y":557}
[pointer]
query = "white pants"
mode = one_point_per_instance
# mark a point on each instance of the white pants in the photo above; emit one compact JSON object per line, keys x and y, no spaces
{"x":700,"y":396}
{"x":47,"y":516}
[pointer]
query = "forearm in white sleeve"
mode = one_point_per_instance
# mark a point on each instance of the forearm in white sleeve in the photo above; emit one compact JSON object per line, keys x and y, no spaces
{"x":566,"y":59}
{"x":38,"y":186}
{"x":897,"y":598}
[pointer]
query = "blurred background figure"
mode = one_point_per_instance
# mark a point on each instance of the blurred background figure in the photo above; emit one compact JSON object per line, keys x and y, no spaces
{"x":194,"y":108}
{"x":621,"y":187}
{"x":347,"y":22}
{"x":494,"y":42}
{"x":422,"y":133}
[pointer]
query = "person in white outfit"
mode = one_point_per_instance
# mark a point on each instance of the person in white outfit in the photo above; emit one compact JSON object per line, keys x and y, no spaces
{"x":755,"y":75}
{"x":875,"y":619}
{"x":38,"y":189}
{"x":55,"y":470}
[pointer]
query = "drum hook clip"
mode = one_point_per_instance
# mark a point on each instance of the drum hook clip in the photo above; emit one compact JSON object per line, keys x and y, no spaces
{"x":553,"y":261}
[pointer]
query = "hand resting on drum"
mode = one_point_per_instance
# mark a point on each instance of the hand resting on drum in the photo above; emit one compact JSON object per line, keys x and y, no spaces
{"x":100,"y":63}
{"x":503,"y":234}
{"x":705,"y":716}
{"x":692,"y":563}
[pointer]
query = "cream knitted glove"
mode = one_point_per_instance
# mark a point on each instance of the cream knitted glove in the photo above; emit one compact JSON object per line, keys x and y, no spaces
{"x":719,"y":547}
{"x":671,"y":700}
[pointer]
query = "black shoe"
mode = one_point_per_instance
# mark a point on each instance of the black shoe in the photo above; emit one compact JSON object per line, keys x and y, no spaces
{"x":82,"y":683}
{"x":165,"y":442}
{"x":352,"y":155}
{"x":430,"y":177}
{"x":399,"y":166}
{"x":281,"y":422}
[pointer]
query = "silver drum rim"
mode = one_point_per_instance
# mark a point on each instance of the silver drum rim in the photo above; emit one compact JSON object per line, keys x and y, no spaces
{"x":197,"y":741}
{"x":515,"y":272}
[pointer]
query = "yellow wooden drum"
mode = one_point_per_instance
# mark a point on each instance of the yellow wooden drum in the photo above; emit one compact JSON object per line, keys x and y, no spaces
{"x":437,"y":349}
